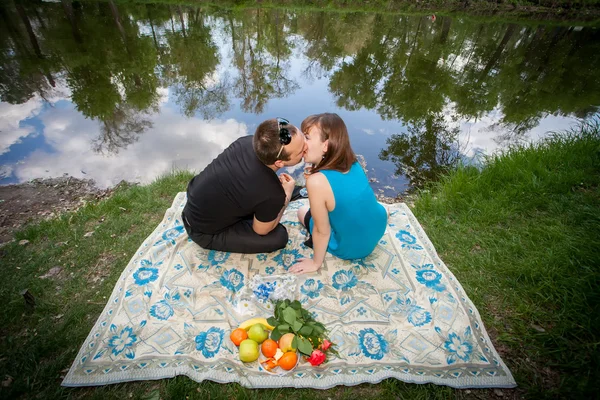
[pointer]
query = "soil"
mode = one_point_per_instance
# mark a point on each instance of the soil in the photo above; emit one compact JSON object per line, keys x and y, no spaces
{"x":42,"y":199}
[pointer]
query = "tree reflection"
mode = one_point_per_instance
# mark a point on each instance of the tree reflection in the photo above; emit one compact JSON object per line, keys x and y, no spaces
{"x":260,"y":54}
{"x":427,"y":150}
{"x":114,"y":57}
{"x":123,"y":128}
{"x":192,"y":60}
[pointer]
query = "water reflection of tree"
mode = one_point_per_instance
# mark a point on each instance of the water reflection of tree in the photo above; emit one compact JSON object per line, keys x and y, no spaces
{"x":25,"y":69}
{"x":261,"y":50}
{"x":429,"y":148}
{"x":123,"y":128}
{"x":410,"y":67}
{"x":191,"y":61}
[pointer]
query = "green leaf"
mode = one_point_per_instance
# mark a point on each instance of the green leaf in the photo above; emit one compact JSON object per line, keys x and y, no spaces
{"x":275,"y":335}
{"x":297,"y":326}
{"x":272,"y":321}
{"x":306,"y":330}
{"x":289,"y":315}
{"x":318,"y":330}
{"x":283,"y":328}
{"x":296,"y":305}
{"x":304,"y":346}
{"x":295,"y":342}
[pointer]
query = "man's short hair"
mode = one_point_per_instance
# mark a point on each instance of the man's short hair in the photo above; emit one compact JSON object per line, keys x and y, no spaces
{"x":266,"y":142}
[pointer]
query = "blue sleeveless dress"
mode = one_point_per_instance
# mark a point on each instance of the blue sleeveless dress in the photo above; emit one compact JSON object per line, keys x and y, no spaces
{"x":358,"y":221}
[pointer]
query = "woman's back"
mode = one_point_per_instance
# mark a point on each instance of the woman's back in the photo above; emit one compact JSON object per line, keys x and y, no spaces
{"x":358,"y":221}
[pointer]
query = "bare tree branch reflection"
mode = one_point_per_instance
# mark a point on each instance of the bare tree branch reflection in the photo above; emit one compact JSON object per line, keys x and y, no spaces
{"x":123,"y":128}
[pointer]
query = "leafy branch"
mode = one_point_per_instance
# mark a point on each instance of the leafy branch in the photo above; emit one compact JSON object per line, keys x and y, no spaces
{"x":291,"y":317}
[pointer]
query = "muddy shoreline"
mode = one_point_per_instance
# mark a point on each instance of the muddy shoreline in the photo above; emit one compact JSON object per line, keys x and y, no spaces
{"x":42,"y":199}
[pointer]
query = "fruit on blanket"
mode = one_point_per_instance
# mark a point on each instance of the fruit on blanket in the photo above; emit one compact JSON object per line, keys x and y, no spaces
{"x":258,"y":333}
{"x":269,"y":364}
{"x":238,"y":336}
{"x":278,"y":354}
{"x":285,"y":342}
{"x":269,"y":348}
{"x":288,"y":360}
{"x":253,"y":321}
{"x":248,"y":350}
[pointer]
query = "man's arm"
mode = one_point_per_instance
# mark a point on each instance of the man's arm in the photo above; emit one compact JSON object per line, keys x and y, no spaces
{"x":263,"y":228}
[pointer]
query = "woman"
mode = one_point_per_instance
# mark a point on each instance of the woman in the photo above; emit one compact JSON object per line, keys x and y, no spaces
{"x":344,"y":217}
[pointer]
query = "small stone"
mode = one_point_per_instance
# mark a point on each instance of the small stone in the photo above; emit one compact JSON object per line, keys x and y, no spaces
{"x":88,"y":234}
{"x":498,"y":392}
{"x":51,"y":273}
{"x":23,"y":242}
{"x":59,"y":316}
{"x":113,"y":235}
{"x":8,"y":380}
{"x":538,"y":328}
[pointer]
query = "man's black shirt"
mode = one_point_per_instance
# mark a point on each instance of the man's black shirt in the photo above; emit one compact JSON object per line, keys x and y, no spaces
{"x":234,"y":186}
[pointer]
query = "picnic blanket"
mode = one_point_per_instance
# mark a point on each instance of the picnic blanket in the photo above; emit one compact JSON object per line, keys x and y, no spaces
{"x":399,"y":313}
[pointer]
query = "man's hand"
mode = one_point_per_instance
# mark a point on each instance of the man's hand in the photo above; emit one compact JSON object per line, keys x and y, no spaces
{"x":304,"y":266}
{"x":288,"y":184}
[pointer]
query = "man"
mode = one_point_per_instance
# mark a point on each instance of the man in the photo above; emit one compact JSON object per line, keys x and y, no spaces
{"x":236,"y":202}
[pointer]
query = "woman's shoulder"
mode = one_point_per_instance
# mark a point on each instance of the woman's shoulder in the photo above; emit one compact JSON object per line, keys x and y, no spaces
{"x":316,"y":180}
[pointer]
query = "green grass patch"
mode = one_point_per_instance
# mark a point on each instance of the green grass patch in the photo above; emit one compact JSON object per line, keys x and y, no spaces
{"x":522,"y":235}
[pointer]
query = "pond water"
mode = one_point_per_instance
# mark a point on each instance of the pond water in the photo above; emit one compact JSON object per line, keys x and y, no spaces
{"x":113,"y":91}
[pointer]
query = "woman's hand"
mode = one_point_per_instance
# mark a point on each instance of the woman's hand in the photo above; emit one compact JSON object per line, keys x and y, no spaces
{"x":304,"y":266}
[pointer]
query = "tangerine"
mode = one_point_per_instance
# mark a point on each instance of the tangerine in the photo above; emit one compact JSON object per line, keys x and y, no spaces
{"x":238,"y":336}
{"x":288,"y":360}
{"x":269,"y":348}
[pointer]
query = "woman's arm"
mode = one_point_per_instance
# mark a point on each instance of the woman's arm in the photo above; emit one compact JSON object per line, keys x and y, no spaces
{"x":318,"y":190}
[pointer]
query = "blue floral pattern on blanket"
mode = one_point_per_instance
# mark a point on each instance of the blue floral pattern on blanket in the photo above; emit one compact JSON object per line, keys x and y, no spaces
{"x":122,"y":341}
{"x":145,"y":275}
{"x":429,"y":277}
{"x":397,"y":313}
{"x":415,"y":314}
{"x":170,"y":235}
{"x":232,"y":279}
{"x":162,"y":310}
{"x":372,"y":344}
{"x":311,"y":288}
{"x":345,"y":286}
{"x":209,"y":342}
{"x":287,"y":257}
{"x":408,"y":240}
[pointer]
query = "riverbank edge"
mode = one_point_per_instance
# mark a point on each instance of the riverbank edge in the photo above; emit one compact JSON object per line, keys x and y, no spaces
{"x":520,"y":234}
{"x":561,"y":12}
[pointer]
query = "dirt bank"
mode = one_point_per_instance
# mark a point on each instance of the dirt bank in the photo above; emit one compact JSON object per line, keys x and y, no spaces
{"x":43,"y":199}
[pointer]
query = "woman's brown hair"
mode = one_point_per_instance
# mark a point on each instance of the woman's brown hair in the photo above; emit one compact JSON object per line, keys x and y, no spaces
{"x":339,"y":155}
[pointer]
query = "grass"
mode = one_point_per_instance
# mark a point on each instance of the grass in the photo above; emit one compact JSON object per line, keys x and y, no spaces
{"x":522,"y":235}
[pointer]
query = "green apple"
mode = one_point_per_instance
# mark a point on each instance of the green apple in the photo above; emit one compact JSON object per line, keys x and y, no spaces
{"x":248,"y":350}
{"x":258,"y":333}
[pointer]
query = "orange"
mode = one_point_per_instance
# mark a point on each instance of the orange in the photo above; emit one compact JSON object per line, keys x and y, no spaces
{"x":269,"y":348}
{"x":238,"y":336}
{"x":288,"y":360}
